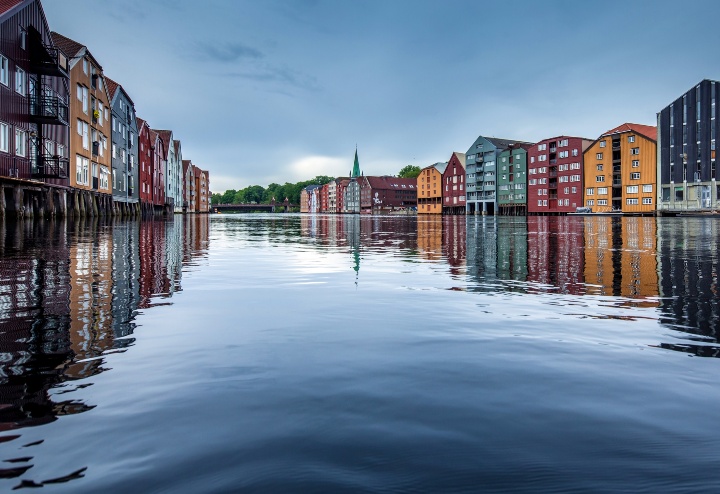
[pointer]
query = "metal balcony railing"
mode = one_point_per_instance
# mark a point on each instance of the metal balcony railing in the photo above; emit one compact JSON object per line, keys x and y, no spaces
{"x":49,"y":110}
{"x":46,"y":166}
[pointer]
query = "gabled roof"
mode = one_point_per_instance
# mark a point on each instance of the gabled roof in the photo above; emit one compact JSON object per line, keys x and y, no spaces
{"x":140,"y":123}
{"x":460,"y":157}
{"x":7,"y":5}
{"x":387,"y":182}
{"x":166,"y":136}
{"x":186,"y":165}
{"x":439,"y":166}
{"x":648,"y":131}
{"x":504,"y":143}
{"x":70,"y":47}
{"x":112,"y":88}
{"x":176,"y":145}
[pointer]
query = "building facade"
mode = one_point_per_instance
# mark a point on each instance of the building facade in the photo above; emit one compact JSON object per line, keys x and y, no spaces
{"x":385,"y":194}
{"x":202,"y":190}
{"x":90,"y":121}
{"x":512,"y":180}
{"x":179,"y":194}
{"x":34,"y":106}
{"x":172,"y":171}
{"x":351,"y":197}
{"x":555,"y":175}
{"x":687,"y":136}
{"x":189,"y":193}
{"x":481,"y":174}
{"x":453,"y":180}
{"x":158,"y":164}
{"x":429,"y":187}
{"x":621,"y":170}
{"x":124,"y":150}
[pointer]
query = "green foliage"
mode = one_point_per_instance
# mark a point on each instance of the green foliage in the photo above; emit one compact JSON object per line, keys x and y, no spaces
{"x":265,"y":195}
{"x":409,"y":171}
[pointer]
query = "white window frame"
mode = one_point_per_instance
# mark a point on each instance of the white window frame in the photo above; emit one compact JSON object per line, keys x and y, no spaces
{"x":647,"y":188}
{"x":20,"y":143}
{"x":631,"y":189}
{"x":647,"y":200}
{"x":4,"y":137}
{"x":4,"y":71}
{"x":20,"y":81}
{"x":635,"y":176}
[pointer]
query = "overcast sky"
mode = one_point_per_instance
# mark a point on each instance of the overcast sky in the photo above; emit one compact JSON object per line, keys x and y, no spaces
{"x":280,"y":91}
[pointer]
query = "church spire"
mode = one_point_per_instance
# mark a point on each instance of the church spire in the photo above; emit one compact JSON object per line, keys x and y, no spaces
{"x":356,"y":166}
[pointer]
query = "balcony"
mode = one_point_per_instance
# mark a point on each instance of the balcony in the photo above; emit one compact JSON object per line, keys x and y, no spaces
{"x":553,"y":174}
{"x":50,"y":110}
{"x":45,"y":59}
{"x":553,"y":184}
{"x":50,"y":167}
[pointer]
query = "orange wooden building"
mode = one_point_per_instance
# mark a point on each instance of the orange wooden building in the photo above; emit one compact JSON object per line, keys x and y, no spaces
{"x":430,"y":189}
{"x":621,"y":170}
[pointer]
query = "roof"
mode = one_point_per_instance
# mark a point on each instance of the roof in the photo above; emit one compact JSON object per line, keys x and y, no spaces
{"x":504,"y":143}
{"x":70,"y":47}
{"x":439,"y":166}
{"x":648,"y":131}
{"x":166,"y":136}
{"x":112,"y":87}
{"x":387,"y":182}
{"x":186,"y":164}
{"x":176,"y":145}
{"x":7,"y":5}
{"x":460,"y":157}
{"x":311,"y":187}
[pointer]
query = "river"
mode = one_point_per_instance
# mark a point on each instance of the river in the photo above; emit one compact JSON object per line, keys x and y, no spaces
{"x":289,"y":353}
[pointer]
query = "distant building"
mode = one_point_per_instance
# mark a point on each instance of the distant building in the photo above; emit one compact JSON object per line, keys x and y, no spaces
{"x":341,"y":188}
{"x":172,"y":171}
{"x":125,"y":174}
{"x":453,"y":180}
{"x":481,"y":173}
{"x":324,"y":199}
{"x":202,"y":189}
{"x":188,"y":186}
{"x":512,"y":180}
{"x":555,"y":175}
{"x":158,"y":164}
{"x":179,"y":193}
{"x":385,"y":194}
{"x":429,"y":189}
{"x":144,"y":166}
{"x":352,"y":191}
{"x":621,"y":170}
{"x":687,"y":137}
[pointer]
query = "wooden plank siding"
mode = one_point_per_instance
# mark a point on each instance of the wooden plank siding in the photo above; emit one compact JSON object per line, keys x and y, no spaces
{"x":429,"y":190}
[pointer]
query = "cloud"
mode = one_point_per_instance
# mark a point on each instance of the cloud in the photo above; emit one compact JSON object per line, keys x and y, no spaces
{"x":280,"y":75}
{"x":228,"y":52}
{"x":312,"y":166}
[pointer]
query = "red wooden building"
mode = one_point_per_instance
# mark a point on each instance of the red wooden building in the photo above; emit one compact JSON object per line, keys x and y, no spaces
{"x":384,"y":194}
{"x":324,"y":198}
{"x":145,"y":165}
{"x":453,"y":185}
{"x":555,"y":175}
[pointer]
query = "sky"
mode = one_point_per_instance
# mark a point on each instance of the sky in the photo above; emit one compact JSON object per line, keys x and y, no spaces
{"x":281,"y":91}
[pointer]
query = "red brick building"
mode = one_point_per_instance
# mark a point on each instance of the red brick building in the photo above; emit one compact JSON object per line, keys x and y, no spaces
{"x":453,"y":185}
{"x":555,"y":175}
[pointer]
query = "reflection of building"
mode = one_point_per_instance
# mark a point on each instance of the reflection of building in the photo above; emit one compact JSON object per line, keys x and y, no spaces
{"x":154,"y":280}
{"x":454,"y":240}
{"x":556,"y":253}
{"x":687,"y":139}
{"x":126,"y":276}
{"x":620,"y":257}
{"x":91,"y":293}
{"x":688,"y":264}
{"x":482,"y":251}
{"x":620,"y":170}
{"x":429,"y":237}
{"x":512,"y":249}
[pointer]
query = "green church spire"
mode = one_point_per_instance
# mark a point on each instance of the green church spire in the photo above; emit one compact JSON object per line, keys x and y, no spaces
{"x":356,"y":166}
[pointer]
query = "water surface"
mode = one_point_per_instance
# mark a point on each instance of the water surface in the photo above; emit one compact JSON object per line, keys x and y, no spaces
{"x":286,"y":353}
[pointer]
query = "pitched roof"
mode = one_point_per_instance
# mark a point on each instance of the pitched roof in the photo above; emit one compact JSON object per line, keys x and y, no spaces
{"x":112,"y":87}
{"x":70,"y":47}
{"x":176,"y":145}
{"x":387,"y":182}
{"x":460,"y":157}
{"x":647,"y":130}
{"x":7,"y":5}
{"x":140,"y":123}
{"x":166,"y":136}
{"x":504,"y":143}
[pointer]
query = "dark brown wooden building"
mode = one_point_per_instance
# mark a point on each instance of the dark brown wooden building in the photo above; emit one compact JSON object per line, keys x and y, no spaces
{"x":385,"y":194}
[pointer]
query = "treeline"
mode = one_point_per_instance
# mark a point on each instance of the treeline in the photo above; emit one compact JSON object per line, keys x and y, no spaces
{"x":256,"y":194}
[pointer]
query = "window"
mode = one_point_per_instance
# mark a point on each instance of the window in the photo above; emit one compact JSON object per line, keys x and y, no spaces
{"x":20,"y":81}
{"x":647,"y":188}
{"x":591,"y":191}
{"x":23,"y":38}
{"x":82,"y":95}
{"x":602,"y":144}
{"x":564,"y":154}
{"x":532,"y":159}
{"x":600,"y":178}
{"x":599,"y":156}
{"x":635,"y":151}
{"x":631,"y":138}
{"x":635,"y":176}
{"x":542,"y":147}
{"x":602,"y":191}
{"x":590,"y":202}
{"x":563,"y":143}
{"x":602,"y":202}
{"x":599,"y":168}
{"x":575,"y":152}
{"x":83,"y":129}
{"x":632,"y":202}
{"x":4,"y":137}
{"x":85,"y":66}
{"x":81,"y":170}
{"x":647,"y":200}
{"x":20,"y":143}
{"x":4,"y":71}
{"x":635,"y":163}
{"x":544,"y":202}
{"x":574,"y":190}
{"x":632,"y":189}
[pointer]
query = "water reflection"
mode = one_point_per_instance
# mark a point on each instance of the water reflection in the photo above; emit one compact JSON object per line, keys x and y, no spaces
{"x":69,"y":294}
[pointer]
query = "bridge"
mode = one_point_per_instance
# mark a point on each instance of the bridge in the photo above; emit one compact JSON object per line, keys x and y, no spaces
{"x":272,"y":207}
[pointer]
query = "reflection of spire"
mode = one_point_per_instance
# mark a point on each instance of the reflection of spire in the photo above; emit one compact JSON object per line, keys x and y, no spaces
{"x":354,"y":234}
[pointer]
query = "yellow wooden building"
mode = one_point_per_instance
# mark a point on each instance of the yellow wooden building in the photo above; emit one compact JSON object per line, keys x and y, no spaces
{"x":620,"y":170}
{"x":430,"y":189}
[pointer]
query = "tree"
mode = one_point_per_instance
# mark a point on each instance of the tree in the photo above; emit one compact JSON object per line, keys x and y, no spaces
{"x":409,"y":171}
{"x":216,"y":199}
{"x":228,"y":196}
